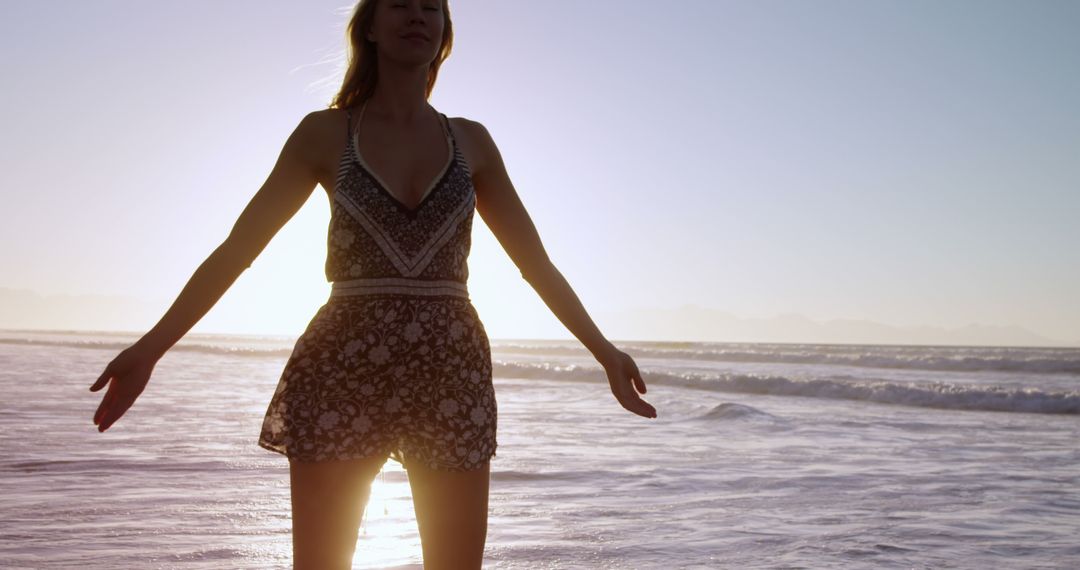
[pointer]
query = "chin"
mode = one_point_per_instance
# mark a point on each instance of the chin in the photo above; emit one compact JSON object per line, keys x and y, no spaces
{"x":412,"y":59}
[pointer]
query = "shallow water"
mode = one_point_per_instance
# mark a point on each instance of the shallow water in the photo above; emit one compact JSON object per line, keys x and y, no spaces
{"x":764,"y":456}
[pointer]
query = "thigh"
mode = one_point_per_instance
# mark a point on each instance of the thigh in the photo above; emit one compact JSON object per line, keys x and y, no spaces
{"x":328,"y":500}
{"x":451,"y":513}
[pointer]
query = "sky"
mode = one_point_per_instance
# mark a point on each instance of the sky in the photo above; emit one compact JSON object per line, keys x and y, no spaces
{"x":909,"y":163}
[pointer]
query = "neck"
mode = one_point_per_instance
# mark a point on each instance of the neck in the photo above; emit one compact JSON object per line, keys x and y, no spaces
{"x":399,"y":94}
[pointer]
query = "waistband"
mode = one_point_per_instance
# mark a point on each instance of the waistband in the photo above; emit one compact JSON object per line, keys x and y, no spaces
{"x":400,"y":286}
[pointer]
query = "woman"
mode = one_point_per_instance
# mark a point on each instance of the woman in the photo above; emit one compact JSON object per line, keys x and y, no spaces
{"x":396,"y":363}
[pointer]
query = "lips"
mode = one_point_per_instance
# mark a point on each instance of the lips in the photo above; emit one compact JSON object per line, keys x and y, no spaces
{"x":416,"y":36}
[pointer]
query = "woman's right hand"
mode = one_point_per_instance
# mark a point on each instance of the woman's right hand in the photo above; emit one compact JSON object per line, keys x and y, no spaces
{"x":129,"y":372}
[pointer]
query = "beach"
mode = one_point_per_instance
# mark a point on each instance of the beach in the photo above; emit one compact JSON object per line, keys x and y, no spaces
{"x":763,"y":456}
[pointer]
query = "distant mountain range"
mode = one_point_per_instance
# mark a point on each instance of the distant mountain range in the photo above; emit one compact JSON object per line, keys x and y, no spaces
{"x":24,"y":309}
{"x":692,"y":322}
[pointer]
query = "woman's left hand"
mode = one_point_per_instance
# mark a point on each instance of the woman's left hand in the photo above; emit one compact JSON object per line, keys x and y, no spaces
{"x":626,"y":382}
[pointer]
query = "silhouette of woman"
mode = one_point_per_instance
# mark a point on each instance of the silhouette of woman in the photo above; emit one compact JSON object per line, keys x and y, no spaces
{"x":396,"y":363}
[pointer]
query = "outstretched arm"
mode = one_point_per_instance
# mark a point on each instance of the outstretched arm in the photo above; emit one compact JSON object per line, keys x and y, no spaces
{"x":500,"y":206}
{"x":289,"y":185}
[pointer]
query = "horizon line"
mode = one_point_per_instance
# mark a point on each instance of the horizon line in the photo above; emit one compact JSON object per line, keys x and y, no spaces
{"x":1075,"y":345}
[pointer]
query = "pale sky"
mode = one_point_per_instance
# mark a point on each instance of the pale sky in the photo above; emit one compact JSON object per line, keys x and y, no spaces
{"x":904,"y":162}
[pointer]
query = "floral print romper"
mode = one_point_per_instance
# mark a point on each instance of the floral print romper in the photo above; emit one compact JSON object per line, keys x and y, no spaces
{"x":397,"y":361}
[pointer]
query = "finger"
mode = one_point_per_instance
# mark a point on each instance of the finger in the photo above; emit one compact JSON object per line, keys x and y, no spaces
{"x":102,"y":380}
{"x":108,"y":417}
{"x":639,"y":382}
{"x":120,"y":409}
{"x":636,"y":378}
{"x":646,"y":409}
{"x":106,"y":402}
{"x":643,"y":408}
{"x":100,"y":413}
{"x":118,"y":405}
{"x":632,"y":402}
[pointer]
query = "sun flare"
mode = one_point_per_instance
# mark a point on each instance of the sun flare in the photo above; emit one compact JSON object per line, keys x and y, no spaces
{"x":388,"y":532}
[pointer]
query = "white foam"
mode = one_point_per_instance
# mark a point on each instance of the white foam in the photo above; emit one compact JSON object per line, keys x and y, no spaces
{"x":927,"y":395}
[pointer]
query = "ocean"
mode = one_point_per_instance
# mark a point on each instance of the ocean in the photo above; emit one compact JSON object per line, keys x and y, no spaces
{"x":763,"y":456}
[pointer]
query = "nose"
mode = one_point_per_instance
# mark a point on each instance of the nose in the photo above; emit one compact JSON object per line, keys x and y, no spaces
{"x":416,"y":12}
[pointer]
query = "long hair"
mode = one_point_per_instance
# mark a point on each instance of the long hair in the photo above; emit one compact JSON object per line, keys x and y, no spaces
{"x":362,"y":72}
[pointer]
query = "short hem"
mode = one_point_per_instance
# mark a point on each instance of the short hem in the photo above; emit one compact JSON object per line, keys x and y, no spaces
{"x":394,"y":453}
{"x":387,"y":453}
{"x":455,"y":468}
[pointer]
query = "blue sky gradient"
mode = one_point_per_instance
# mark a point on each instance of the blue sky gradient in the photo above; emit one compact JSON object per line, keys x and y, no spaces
{"x":911,"y":163}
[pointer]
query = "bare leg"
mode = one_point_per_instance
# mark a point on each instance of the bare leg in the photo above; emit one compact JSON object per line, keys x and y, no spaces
{"x":328,"y":500}
{"x":451,"y":513}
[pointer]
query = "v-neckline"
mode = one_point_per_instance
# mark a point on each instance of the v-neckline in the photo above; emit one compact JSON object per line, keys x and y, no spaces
{"x":428,"y":192}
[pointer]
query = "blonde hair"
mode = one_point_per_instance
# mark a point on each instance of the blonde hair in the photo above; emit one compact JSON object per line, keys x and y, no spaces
{"x":362,"y":72}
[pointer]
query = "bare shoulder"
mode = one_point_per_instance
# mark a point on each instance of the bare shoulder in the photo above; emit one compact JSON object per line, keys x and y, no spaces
{"x":476,"y":144}
{"x":474,"y":131}
{"x":322,"y":125}
{"x":319,"y":137}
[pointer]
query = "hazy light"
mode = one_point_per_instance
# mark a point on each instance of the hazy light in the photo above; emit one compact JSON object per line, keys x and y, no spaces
{"x":388,"y":533}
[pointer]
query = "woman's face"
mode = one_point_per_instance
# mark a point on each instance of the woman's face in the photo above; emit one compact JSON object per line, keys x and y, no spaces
{"x":408,"y":31}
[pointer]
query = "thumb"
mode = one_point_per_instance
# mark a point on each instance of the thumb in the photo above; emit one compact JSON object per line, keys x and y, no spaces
{"x":102,"y":380}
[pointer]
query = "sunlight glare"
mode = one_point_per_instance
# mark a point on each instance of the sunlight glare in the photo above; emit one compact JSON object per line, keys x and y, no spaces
{"x":388,"y":533}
